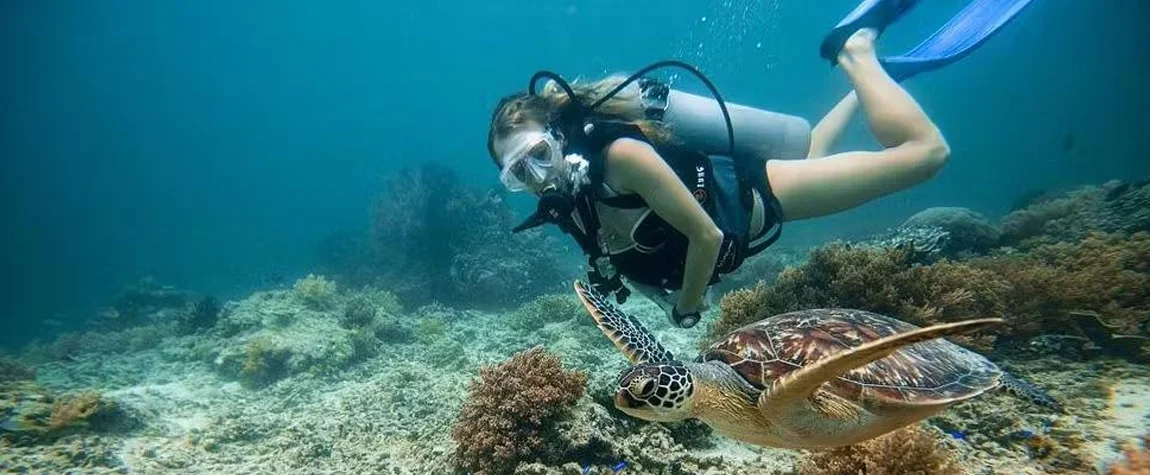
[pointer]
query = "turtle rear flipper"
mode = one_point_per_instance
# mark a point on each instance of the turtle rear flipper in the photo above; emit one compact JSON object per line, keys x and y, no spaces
{"x":635,"y":341}
{"x":788,"y":402}
{"x":1023,"y":389}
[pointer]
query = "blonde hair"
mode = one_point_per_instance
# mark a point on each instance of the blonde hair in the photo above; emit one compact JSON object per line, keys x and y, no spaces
{"x":523,"y":109}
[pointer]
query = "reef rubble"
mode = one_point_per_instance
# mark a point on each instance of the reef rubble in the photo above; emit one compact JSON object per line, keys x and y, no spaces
{"x":326,"y":378}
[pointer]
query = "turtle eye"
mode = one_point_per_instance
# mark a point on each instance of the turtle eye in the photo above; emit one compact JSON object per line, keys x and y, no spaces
{"x":642,"y":389}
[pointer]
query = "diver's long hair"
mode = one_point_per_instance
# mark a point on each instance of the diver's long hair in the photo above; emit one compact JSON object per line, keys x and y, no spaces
{"x":521,"y":109}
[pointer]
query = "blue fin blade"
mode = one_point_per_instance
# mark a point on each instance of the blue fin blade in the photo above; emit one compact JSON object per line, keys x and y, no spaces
{"x":964,"y":33}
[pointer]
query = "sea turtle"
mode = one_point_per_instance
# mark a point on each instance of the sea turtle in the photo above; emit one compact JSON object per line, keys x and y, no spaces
{"x":806,"y":379}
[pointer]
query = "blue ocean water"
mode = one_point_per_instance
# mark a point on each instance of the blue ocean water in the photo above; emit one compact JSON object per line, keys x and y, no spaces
{"x":212,"y":144}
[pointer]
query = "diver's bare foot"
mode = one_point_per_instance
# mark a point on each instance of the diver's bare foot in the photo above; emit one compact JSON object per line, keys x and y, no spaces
{"x":859,"y":47}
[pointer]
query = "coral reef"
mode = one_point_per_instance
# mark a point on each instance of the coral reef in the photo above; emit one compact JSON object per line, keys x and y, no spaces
{"x":391,"y":329}
{"x":1036,"y":292}
{"x":882,"y":280}
{"x":430,"y":329}
{"x":546,"y":309}
{"x":350,"y":382}
{"x":909,"y":451}
{"x":1107,"y":274}
{"x":200,"y":314}
{"x":91,"y":454}
{"x":1111,"y":208}
{"x":393,"y":413}
{"x":940,"y":233}
{"x":145,"y":302}
{"x":963,"y":232}
{"x":32,"y":415}
{"x":75,"y":409}
{"x":1137,"y":460}
{"x":368,"y":309}
{"x":263,"y":362}
{"x":358,"y":312}
{"x":315,"y":291}
{"x":510,"y":408}
{"x":433,"y":238}
{"x":11,"y":370}
{"x":310,"y":329}
{"x":73,"y":345}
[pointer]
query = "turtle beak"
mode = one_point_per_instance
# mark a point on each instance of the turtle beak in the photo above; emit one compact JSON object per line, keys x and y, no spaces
{"x":623,"y":400}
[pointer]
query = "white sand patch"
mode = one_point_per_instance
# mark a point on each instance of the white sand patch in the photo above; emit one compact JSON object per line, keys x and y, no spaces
{"x":1129,"y":409}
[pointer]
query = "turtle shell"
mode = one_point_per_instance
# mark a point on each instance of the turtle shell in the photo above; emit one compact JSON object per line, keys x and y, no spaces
{"x":927,"y":372}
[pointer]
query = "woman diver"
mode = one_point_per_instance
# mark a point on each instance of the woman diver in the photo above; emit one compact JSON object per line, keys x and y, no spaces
{"x":655,"y":184}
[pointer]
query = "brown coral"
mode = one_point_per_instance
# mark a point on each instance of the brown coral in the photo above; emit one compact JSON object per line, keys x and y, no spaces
{"x":1137,"y":460}
{"x":1036,"y":292}
{"x":1105,"y":273}
{"x":264,"y":362}
{"x":510,"y":408}
{"x":1114,"y":206}
{"x":910,"y":451}
{"x":882,"y":280}
{"x":1066,"y":218}
{"x":75,"y":409}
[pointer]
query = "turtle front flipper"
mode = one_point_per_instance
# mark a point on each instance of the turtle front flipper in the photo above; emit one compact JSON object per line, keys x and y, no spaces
{"x":624,"y":330}
{"x":792,"y":403}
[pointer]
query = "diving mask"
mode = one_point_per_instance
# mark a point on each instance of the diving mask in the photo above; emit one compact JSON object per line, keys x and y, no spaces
{"x":530,"y":161}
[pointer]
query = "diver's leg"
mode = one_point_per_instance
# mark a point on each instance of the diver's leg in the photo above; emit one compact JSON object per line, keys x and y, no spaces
{"x":915,"y":148}
{"x":759,"y":134}
{"x":827,"y":132}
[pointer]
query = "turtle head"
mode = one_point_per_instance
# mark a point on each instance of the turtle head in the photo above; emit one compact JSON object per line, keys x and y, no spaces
{"x":661,"y":392}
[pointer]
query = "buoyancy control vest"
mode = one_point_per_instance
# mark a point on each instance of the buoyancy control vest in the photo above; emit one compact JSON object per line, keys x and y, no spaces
{"x":725,"y":187}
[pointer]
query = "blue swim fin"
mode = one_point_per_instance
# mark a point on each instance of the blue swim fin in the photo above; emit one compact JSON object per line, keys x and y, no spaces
{"x":877,"y":14}
{"x":965,"y":32}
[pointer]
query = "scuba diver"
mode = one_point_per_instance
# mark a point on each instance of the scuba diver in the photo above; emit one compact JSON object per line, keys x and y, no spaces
{"x":665,"y":190}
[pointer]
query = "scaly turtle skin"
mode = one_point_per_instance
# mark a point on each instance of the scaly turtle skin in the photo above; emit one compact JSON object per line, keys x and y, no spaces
{"x":813,"y":378}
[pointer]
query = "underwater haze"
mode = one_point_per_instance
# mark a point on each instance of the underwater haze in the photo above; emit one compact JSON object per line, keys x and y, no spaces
{"x":257,"y":237}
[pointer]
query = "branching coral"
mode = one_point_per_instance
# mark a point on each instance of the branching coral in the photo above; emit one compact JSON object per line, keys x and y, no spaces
{"x":263,"y":362}
{"x":1107,"y":274}
{"x":1137,"y":461}
{"x":510,"y":408}
{"x":76,"y":409}
{"x":910,"y":451}
{"x":1113,"y":207}
{"x":358,"y":312}
{"x":1034,"y":292}
{"x":839,"y":275}
{"x":547,"y":309}
{"x":315,"y":291}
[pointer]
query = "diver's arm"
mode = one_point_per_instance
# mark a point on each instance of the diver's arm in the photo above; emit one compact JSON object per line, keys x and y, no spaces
{"x":635,"y":167}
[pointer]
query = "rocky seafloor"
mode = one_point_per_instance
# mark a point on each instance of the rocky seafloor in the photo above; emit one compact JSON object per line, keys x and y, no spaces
{"x":317,"y":379}
{"x":392,"y":411}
